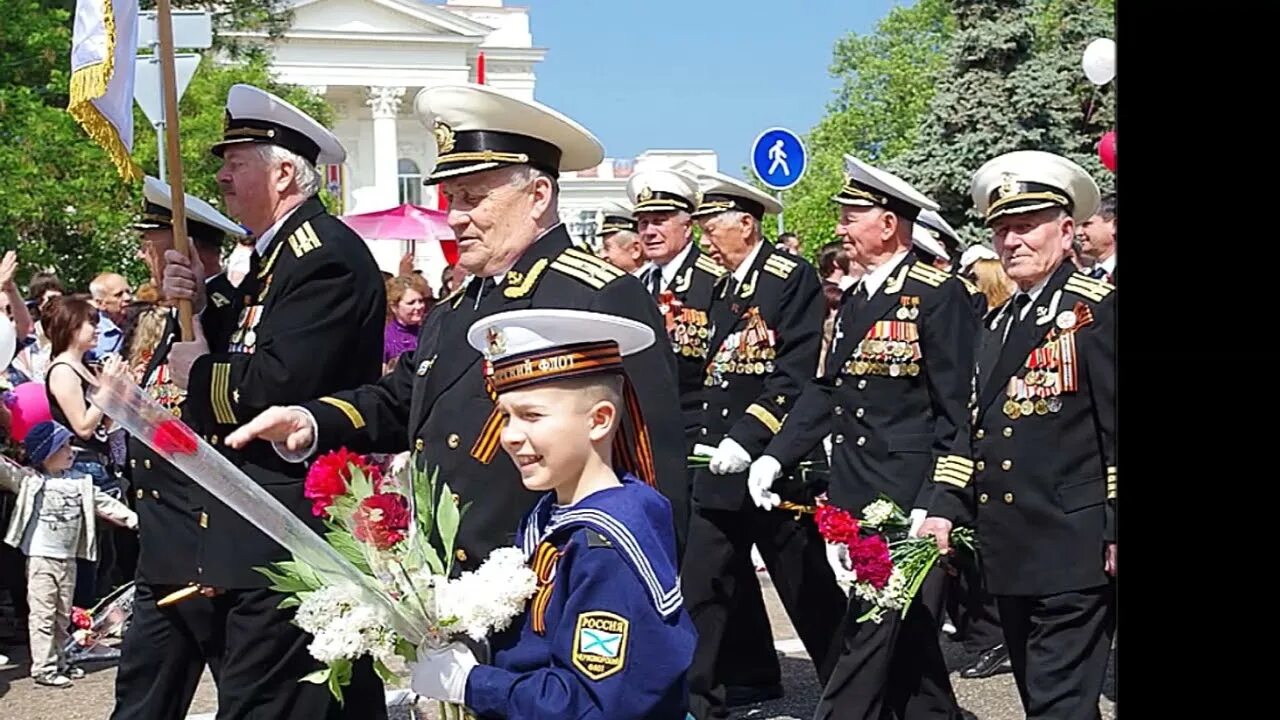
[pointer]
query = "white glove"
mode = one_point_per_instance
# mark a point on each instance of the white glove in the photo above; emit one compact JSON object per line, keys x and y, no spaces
{"x":442,"y":674}
{"x":838,"y":559}
{"x":729,"y":458}
{"x":917,"y":519}
{"x":760,"y":479}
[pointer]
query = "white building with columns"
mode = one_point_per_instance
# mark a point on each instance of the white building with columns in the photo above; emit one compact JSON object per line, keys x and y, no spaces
{"x":369,"y":59}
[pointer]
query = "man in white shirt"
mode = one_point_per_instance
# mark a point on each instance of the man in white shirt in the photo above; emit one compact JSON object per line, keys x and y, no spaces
{"x":1098,"y":240}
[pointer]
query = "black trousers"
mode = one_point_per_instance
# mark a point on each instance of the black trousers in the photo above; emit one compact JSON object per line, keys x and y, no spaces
{"x":1059,"y":646}
{"x":263,"y":657}
{"x":165,"y":651}
{"x":894,"y":668}
{"x":795,"y":555}
{"x":972,"y":608}
{"x":748,"y":657}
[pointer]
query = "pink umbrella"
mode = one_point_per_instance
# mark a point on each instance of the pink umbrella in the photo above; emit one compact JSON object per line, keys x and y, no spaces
{"x":406,"y":222}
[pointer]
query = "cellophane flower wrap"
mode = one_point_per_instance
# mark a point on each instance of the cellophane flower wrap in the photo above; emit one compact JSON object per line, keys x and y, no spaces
{"x":396,"y":525}
{"x":884,"y":565}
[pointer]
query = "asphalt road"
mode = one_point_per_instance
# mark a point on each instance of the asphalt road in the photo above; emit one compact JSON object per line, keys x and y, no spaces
{"x":92,"y":697}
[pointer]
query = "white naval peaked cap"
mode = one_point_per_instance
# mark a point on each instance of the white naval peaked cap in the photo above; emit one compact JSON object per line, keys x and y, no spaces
{"x":721,"y":192}
{"x":868,"y":186}
{"x":254,"y":115}
{"x":203,"y":220}
{"x":479,"y":128}
{"x":617,"y":217}
{"x":663,"y":191}
{"x":927,"y":230}
{"x":974,"y":253}
{"x":1031,"y":180}
{"x":510,"y":337}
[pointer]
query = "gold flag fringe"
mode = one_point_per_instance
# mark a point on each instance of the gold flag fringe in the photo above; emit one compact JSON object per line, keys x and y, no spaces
{"x":89,"y":83}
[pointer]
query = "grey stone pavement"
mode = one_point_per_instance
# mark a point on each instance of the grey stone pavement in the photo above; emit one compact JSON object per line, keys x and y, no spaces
{"x":91,"y":698}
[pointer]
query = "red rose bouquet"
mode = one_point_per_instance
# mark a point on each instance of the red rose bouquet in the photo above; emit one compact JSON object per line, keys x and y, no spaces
{"x":876,"y":557}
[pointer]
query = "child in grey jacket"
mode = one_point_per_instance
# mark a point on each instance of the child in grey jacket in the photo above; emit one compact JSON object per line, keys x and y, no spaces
{"x":53,"y":524}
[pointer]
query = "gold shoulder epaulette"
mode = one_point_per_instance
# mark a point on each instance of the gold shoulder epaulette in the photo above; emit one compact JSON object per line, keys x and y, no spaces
{"x":968,"y":285}
{"x":304,"y":240}
{"x":927,"y":274}
{"x":1087,"y":287}
{"x":777,"y":265}
{"x":710,"y":267}
{"x":586,"y":268}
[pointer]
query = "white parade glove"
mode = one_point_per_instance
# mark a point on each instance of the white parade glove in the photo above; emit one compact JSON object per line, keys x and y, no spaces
{"x":729,"y":458}
{"x":917,"y":519}
{"x":442,"y":674}
{"x":838,"y":559}
{"x":760,"y":479}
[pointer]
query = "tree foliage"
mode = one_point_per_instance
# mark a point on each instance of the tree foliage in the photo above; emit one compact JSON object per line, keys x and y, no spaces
{"x":62,"y":205}
{"x":1013,"y":82}
{"x":930,"y":97}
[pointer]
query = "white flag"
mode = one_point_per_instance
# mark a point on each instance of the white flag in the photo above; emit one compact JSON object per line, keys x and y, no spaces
{"x":104,"y":44}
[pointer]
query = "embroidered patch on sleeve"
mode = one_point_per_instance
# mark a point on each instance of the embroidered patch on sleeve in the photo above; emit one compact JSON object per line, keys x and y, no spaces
{"x":600,"y":644}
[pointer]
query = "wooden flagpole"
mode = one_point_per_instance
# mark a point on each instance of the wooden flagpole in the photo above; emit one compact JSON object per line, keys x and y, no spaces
{"x":173,"y":148}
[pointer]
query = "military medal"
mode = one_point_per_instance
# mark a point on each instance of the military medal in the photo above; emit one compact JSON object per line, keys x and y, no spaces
{"x":1066,"y":320}
{"x":1054,"y":404}
{"x":913,"y":369}
{"x":1042,"y":407}
{"x":250,"y":338}
{"x":1012,"y":409}
{"x":1028,"y":407}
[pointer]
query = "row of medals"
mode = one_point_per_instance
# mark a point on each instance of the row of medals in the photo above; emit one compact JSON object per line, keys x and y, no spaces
{"x":691,"y":339}
{"x":1034,"y":380}
{"x":758,"y":362}
{"x":894,"y":358}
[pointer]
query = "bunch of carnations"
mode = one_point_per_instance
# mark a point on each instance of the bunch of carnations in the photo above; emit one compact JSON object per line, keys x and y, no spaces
{"x":399,"y":530}
{"x":883,"y":563}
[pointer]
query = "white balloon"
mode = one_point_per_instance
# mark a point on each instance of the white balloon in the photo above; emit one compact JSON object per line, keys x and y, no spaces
{"x":1100,"y":61}
{"x":8,"y":342}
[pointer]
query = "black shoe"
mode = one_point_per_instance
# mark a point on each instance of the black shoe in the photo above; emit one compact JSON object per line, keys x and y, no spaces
{"x":991,"y":663}
{"x":740,"y":695}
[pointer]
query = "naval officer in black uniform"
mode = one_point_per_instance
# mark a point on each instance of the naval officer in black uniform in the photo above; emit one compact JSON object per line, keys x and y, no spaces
{"x":307,"y":320}
{"x":1044,"y":439}
{"x":499,"y":160}
{"x":681,"y":278}
{"x":168,"y":644}
{"x":766,"y":336}
{"x":894,"y":396}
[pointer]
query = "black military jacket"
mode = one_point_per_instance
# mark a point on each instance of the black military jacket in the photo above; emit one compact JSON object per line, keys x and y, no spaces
{"x":686,"y":309}
{"x":307,"y":320}
{"x":895,"y":391}
{"x":767,"y":335}
{"x":1044,"y":441}
{"x":436,"y":400}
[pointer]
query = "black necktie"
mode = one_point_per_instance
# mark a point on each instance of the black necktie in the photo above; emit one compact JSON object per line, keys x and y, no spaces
{"x":1098,"y":272}
{"x":655,"y":281}
{"x":1020,"y":302}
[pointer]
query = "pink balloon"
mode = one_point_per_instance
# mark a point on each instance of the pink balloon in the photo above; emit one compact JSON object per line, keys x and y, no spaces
{"x":1107,"y":150}
{"x":28,"y":406}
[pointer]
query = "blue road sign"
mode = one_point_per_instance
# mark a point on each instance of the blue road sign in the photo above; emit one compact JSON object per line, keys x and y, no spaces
{"x":778,"y":158}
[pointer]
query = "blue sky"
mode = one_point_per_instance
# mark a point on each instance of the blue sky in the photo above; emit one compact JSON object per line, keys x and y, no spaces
{"x":644,"y":74}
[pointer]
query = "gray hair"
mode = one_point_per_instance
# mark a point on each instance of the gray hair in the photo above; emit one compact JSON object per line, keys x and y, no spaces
{"x":623,"y":238}
{"x":305,"y":175}
{"x":733,"y":216}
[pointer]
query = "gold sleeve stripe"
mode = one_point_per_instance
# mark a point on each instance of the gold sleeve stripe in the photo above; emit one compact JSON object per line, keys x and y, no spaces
{"x":1111,"y":482}
{"x":220,"y":394}
{"x":765,"y":417}
{"x":954,"y":470}
{"x":357,"y":420}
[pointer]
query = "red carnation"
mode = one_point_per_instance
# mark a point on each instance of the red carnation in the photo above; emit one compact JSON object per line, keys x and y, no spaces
{"x":870,"y":559}
{"x":329,"y":475}
{"x":381,"y":520}
{"x":837,"y":525}
{"x":80,"y":618}
{"x":171,"y":437}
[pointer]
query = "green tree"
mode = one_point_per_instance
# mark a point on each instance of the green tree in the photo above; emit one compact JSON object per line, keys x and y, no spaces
{"x":1013,"y":82}
{"x":267,"y":17}
{"x":61,"y":203}
{"x":886,"y":82}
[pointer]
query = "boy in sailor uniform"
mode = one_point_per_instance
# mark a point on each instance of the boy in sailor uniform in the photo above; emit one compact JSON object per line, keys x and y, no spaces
{"x":605,"y":635}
